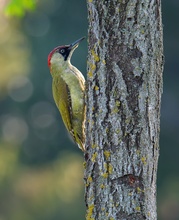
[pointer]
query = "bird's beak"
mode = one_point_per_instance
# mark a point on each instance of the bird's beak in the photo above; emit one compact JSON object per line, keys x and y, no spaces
{"x":76,"y":43}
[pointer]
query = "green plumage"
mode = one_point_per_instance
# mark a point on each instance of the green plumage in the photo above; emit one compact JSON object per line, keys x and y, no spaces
{"x":70,"y":102}
{"x":68,"y":91}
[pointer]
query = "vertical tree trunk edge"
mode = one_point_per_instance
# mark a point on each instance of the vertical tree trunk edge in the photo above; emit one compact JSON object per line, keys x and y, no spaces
{"x":124,"y":87}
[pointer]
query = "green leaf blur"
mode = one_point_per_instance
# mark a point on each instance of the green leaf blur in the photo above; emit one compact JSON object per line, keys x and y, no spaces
{"x":19,"y":7}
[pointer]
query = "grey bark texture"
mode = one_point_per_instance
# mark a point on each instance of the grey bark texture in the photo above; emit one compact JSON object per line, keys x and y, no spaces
{"x":125,"y":65}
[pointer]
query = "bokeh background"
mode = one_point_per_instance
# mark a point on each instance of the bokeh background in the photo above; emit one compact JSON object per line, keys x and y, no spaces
{"x":41,"y":171}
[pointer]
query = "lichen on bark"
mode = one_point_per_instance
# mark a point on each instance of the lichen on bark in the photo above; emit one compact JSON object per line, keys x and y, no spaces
{"x":124,"y":87}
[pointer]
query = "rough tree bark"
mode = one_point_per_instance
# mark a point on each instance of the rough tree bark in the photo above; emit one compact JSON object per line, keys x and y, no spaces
{"x":125,"y":66}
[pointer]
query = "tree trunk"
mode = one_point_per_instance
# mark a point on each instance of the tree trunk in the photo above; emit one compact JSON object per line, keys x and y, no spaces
{"x":125,"y":66}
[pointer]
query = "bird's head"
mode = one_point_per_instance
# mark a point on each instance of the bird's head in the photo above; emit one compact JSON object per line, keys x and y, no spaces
{"x":62,"y":54}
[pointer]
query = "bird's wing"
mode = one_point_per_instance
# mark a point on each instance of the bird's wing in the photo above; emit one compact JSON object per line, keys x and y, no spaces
{"x":61,"y":94}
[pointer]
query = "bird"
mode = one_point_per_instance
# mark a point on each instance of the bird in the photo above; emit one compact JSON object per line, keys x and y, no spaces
{"x":68,"y":88}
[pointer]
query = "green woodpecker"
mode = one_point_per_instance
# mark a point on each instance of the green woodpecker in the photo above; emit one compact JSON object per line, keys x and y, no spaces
{"x":68,"y":89}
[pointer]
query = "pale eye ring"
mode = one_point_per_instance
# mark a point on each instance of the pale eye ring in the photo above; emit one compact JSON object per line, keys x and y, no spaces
{"x":62,"y":51}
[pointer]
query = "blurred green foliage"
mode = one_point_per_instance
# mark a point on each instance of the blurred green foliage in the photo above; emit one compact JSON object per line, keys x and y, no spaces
{"x":41,"y":171}
{"x":19,"y":7}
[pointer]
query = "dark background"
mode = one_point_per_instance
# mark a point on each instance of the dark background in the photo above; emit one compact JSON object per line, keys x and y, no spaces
{"x":41,"y":171}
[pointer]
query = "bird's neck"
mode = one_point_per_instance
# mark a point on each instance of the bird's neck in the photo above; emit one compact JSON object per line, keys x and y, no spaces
{"x":58,"y":69}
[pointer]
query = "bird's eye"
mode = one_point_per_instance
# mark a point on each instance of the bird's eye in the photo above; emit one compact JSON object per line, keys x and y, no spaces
{"x":62,"y":51}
